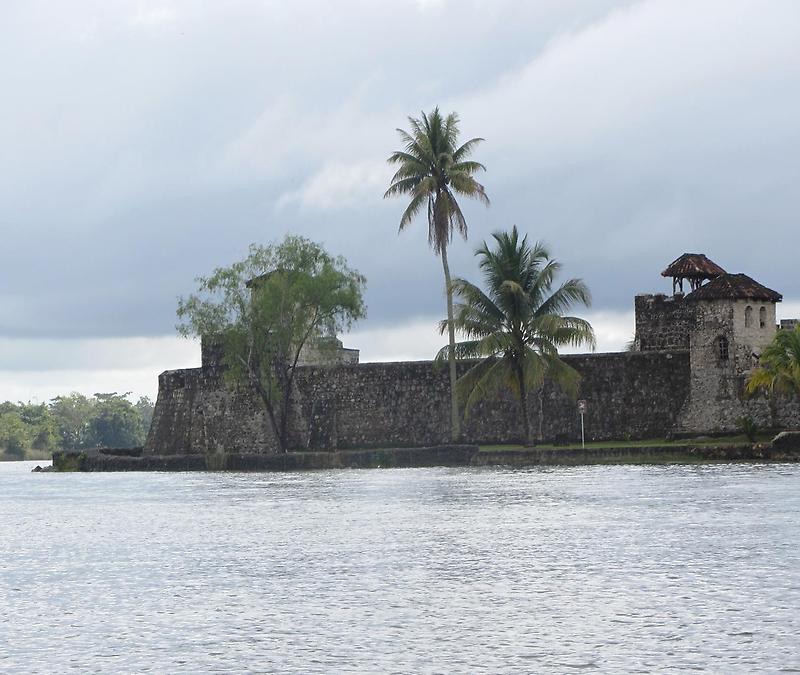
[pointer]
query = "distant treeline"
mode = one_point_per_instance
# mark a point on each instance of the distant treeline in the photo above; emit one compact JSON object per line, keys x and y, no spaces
{"x":73,"y":422}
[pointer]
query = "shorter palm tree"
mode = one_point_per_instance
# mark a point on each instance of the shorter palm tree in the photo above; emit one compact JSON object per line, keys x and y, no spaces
{"x":517,"y":326}
{"x":779,"y":365}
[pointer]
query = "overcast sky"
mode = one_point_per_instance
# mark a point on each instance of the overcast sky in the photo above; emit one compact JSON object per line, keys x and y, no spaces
{"x":144,"y":143}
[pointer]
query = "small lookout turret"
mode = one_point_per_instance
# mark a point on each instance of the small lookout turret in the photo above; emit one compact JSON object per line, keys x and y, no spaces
{"x":694,"y":267}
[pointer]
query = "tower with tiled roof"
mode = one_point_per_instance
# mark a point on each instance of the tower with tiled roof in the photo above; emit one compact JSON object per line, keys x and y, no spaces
{"x":695,"y":268}
{"x":724,"y":323}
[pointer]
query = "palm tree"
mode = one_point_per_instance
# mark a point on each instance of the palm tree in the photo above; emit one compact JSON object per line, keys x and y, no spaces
{"x":779,"y":366}
{"x":516,"y":326}
{"x":432,"y":170}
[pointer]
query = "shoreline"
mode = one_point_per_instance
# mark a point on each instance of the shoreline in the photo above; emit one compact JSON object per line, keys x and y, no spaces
{"x":433,"y":456}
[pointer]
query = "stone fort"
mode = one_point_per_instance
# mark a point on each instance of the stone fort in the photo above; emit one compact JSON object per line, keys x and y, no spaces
{"x":684,"y":375}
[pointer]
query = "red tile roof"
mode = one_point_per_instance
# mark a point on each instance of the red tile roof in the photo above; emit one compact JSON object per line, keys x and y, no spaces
{"x":693,"y":266}
{"x":734,"y":287}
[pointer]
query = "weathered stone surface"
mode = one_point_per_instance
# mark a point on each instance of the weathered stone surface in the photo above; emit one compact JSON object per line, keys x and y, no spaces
{"x":718,"y":399}
{"x":662,"y":322}
{"x":629,"y":395}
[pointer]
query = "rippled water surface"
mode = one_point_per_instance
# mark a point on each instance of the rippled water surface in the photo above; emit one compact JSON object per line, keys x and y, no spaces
{"x":615,"y":569}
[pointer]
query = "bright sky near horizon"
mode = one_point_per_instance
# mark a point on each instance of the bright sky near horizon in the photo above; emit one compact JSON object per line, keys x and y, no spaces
{"x":145,"y":142}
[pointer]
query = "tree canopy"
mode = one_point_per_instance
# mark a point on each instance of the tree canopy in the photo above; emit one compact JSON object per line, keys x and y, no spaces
{"x":264,"y":309}
{"x":73,"y":422}
{"x":517,"y":325}
{"x":432,"y":169}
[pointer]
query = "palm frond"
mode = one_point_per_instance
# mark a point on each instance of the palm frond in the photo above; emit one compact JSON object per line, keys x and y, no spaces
{"x":403,"y":186}
{"x":486,"y":382}
{"x":571,"y":292}
{"x":431,"y":161}
{"x":465,"y":150}
{"x":413,"y":208}
{"x":477,"y":301}
{"x":779,"y":366}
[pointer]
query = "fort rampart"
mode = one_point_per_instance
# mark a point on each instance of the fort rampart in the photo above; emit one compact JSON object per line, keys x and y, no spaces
{"x":629,"y":395}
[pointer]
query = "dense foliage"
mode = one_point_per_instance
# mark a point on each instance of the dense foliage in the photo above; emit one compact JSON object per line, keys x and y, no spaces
{"x":72,"y":422}
{"x":779,"y":366}
{"x":517,"y":325}
{"x":432,"y":169}
{"x":263,"y":310}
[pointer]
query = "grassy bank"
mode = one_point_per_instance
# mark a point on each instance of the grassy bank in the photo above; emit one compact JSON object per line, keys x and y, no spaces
{"x":703,"y":441}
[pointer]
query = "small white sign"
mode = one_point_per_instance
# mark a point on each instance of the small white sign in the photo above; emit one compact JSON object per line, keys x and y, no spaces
{"x":582,"y":406}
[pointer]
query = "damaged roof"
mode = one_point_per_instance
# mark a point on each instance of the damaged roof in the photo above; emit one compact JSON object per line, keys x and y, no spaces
{"x":734,"y":287}
{"x":693,"y":266}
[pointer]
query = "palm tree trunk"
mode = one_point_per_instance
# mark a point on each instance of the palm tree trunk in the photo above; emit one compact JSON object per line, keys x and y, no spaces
{"x":455,"y":419}
{"x":523,"y":401}
{"x":541,"y":413}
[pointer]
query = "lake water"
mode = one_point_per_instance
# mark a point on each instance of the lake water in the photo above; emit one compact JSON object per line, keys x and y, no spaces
{"x":612,"y":568}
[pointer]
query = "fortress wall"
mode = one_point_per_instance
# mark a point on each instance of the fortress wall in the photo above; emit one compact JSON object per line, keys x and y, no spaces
{"x":633,"y":395}
{"x":629,"y":395}
{"x":196,"y":412}
{"x":663,"y":322}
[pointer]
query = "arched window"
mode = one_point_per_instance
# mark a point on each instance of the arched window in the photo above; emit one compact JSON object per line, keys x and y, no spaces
{"x":762,"y":317}
{"x":748,"y":316}
{"x":723,"y":348}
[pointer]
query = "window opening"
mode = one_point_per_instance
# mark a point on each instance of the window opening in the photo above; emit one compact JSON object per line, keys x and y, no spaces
{"x":762,"y":317}
{"x":748,"y":316}
{"x":723,"y":348}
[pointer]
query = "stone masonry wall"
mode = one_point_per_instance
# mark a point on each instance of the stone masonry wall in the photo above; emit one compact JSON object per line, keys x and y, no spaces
{"x":197,"y":412}
{"x":717,"y":399}
{"x":663,"y":322}
{"x":629,"y":395}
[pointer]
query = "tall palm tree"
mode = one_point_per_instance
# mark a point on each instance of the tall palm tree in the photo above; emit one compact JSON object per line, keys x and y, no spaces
{"x":432,"y":170}
{"x":779,"y":366}
{"x":517,"y":326}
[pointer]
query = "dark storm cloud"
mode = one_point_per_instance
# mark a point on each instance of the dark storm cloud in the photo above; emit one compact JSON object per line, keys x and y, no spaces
{"x":147,"y":142}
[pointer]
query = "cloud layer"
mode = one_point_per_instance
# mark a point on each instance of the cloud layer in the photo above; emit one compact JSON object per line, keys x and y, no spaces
{"x":145,"y":143}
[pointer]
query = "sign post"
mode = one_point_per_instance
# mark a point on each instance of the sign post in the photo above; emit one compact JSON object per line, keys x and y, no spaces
{"x":582,"y":410}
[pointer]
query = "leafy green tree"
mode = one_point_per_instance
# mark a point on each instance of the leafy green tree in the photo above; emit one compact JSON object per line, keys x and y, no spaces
{"x":432,"y":170}
{"x":72,"y":415}
{"x":145,"y":407}
{"x":779,"y":366}
{"x":41,"y":425}
{"x":264,"y":309}
{"x":32,"y":413}
{"x":115,"y":423}
{"x":14,"y":434}
{"x":517,"y":326}
{"x":7,"y":407}
{"x":76,"y":421}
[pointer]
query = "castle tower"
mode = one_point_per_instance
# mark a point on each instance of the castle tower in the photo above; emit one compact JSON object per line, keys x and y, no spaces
{"x":725,"y":323}
{"x":734,"y":320}
{"x":664,"y":322}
